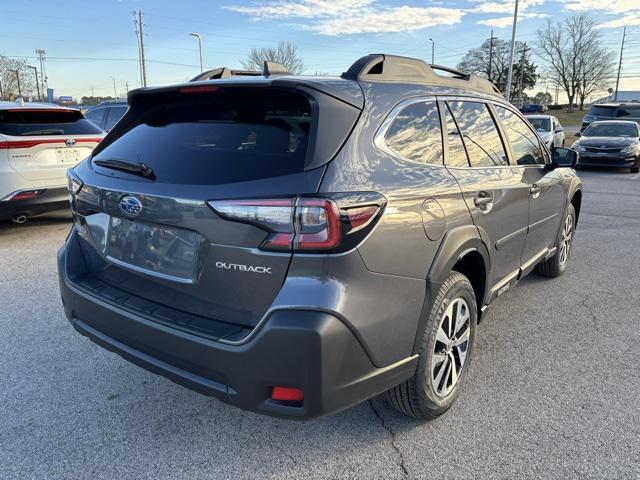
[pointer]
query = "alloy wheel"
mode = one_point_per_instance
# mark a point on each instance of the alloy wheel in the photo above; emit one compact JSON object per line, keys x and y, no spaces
{"x":451,"y":347}
{"x":565,"y":240}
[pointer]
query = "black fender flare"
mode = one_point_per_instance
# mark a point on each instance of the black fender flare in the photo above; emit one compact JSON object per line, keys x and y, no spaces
{"x":455,"y":244}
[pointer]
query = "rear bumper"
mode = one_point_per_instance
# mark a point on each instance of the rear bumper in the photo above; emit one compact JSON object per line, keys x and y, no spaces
{"x":50,"y":200}
{"x":306,"y":349}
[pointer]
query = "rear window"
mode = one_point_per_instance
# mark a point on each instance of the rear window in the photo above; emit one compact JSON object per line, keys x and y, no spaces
{"x":629,"y":111}
{"x":25,"y":122}
{"x":597,"y":111}
{"x":229,"y":135}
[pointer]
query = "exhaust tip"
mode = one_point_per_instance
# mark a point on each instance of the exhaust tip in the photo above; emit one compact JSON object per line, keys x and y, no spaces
{"x":19,"y":219}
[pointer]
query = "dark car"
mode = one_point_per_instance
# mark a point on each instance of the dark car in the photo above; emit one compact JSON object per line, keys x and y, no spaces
{"x":106,"y":114}
{"x":295,"y":245}
{"x":610,"y":144}
{"x":533,"y":108}
{"x":611,"y":111}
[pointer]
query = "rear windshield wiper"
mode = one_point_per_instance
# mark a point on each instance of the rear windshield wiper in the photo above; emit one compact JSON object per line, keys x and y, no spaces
{"x":141,"y":169}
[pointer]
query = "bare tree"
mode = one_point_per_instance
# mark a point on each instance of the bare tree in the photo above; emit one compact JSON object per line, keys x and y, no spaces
{"x":493,"y":63}
{"x":575,"y":59}
{"x":286,"y":53}
{"x":9,"y":80}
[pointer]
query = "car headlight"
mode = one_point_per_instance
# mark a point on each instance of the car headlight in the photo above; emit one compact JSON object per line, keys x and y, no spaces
{"x":578,"y":148}
{"x":630,"y":149}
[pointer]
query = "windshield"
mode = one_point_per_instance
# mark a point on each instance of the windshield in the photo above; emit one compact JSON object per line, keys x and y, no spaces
{"x":228,"y":136}
{"x":541,"y":124}
{"x":597,"y":111}
{"x":27,"y":122}
{"x":610,"y":130}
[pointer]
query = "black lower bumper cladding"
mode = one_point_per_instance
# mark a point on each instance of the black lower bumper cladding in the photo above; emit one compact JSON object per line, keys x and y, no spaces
{"x":50,"y":200}
{"x":310,"y":350}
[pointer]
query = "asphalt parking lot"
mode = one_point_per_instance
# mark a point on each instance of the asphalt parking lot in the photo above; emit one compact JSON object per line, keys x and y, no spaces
{"x":553,"y":390}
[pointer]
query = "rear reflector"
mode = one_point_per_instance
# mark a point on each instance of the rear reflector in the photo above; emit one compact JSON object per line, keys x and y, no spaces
{"x":32,"y":143}
{"x":286,"y":394}
{"x":24,"y":195}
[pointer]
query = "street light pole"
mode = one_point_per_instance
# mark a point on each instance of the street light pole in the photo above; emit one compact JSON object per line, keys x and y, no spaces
{"x":35,"y":70}
{"x":115,"y":94}
{"x":17,"y":72}
{"x":513,"y":48}
{"x":199,"y":37}
{"x":433,"y":51}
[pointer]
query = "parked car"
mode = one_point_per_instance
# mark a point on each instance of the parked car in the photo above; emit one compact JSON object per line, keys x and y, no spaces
{"x":610,"y":143}
{"x":295,"y":245}
{"x":106,"y":114}
{"x":533,"y":108}
{"x":549,"y":129}
{"x":38,"y":143}
{"x":611,"y":111}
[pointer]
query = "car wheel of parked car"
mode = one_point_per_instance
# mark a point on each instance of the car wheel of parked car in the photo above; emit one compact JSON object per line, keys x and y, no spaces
{"x":445,"y":353}
{"x":556,"y":265}
{"x":635,"y":169}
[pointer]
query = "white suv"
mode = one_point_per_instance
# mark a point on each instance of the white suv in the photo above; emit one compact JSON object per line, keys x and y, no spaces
{"x":38,"y":143}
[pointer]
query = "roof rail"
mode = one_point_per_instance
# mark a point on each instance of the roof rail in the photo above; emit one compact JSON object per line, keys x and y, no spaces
{"x":269,"y":69}
{"x":383,"y":68}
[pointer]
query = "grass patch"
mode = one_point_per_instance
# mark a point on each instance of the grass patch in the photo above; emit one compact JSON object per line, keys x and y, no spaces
{"x":568,"y":118}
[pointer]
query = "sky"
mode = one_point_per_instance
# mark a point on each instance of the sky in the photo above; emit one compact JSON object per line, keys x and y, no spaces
{"x":87,"y":42}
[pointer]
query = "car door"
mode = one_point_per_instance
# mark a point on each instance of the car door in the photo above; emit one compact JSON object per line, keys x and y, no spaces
{"x":547,"y":194}
{"x":496,"y":193}
{"x":558,"y":132}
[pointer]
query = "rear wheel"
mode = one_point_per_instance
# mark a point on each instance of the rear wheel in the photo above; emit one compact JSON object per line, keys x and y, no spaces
{"x":635,"y":169}
{"x":445,"y":353}
{"x":557,"y":265}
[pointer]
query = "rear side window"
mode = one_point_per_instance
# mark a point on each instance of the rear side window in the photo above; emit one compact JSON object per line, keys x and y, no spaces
{"x":415,"y":134}
{"x":597,"y":111}
{"x":96,"y":115}
{"x":480,"y":134}
{"x":27,"y":122}
{"x":114,"y":114}
{"x":456,"y":155}
{"x":225,"y":136}
{"x":525,"y":145}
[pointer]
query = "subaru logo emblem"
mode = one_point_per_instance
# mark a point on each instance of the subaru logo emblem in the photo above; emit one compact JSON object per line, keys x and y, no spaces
{"x":130,"y":206}
{"x":70,"y":142}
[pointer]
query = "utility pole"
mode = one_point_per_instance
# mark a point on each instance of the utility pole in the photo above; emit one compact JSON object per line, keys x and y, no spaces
{"x":17,"y":72}
{"x":43,"y":72}
{"x":142,"y":64}
{"x":115,"y":94}
{"x":624,"y":34}
{"x":127,"y":85}
{"x":490,"y":55}
{"x":522,"y":64}
{"x":433,"y":51}
{"x":513,"y":48}
{"x":35,"y":70}
{"x":199,"y":37}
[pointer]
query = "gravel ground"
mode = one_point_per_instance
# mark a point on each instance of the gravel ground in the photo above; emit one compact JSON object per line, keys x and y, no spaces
{"x":552,"y":391}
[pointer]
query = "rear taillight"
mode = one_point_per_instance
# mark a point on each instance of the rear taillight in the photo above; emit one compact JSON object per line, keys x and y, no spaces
{"x":306,"y":224}
{"x":4,"y":145}
{"x":23,"y":195}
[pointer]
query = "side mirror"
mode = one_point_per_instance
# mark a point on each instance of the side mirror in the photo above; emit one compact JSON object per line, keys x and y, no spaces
{"x":558,"y":129}
{"x":578,"y":134}
{"x":564,"y":157}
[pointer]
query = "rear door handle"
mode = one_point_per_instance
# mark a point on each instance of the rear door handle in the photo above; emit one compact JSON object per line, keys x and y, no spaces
{"x":535,"y":191}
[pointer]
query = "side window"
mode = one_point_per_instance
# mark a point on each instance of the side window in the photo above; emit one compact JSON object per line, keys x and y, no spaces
{"x":115,"y":114}
{"x":456,"y":155}
{"x":480,"y":134}
{"x":415,"y":134}
{"x":526,"y":147}
{"x":96,"y":116}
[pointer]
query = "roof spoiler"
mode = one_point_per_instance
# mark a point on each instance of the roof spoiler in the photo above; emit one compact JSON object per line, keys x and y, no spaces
{"x":269,"y":69}
{"x":383,"y":68}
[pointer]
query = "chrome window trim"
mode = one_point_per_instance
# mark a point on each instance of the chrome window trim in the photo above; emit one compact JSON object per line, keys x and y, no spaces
{"x":379,"y":136}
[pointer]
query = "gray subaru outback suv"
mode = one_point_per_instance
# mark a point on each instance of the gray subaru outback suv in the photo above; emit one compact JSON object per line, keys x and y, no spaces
{"x":295,"y":245}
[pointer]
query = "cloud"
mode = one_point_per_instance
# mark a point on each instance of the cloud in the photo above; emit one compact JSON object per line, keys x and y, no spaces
{"x":626,"y":20}
{"x":343,"y":17}
{"x":503,"y":22}
{"x":607,"y":6}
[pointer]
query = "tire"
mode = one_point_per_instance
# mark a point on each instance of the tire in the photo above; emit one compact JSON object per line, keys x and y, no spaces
{"x":557,"y":265}
{"x":635,"y":169}
{"x":423,"y":396}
